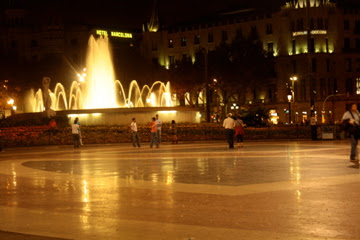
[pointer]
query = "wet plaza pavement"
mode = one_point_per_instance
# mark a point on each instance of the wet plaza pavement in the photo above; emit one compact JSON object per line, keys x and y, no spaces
{"x":266,"y":190}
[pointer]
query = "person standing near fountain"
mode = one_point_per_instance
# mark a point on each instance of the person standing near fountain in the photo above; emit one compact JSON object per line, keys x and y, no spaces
{"x":76,"y":133}
{"x":153,"y":133}
{"x":158,"y":128}
{"x":134,"y":133}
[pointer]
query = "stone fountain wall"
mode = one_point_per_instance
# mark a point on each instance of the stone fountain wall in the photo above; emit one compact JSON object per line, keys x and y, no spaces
{"x":121,"y":116}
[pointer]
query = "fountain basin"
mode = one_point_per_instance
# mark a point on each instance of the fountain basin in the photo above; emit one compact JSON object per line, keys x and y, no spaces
{"x":123,"y":116}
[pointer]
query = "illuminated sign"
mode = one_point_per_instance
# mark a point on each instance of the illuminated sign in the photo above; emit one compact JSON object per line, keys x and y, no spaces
{"x":313,"y":32}
{"x":114,"y":34}
{"x":101,"y":32}
{"x":121,"y":34}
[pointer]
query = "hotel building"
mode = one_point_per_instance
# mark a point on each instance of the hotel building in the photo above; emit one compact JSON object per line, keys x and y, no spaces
{"x":316,"y":49}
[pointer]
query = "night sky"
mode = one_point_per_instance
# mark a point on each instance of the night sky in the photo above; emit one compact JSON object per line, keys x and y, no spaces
{"x":133,"y":13}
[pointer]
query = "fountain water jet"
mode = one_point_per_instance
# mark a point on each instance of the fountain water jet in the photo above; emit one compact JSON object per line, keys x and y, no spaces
{"x":101,"y":99}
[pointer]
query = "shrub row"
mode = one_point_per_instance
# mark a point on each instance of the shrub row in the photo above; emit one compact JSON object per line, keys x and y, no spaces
{"x":41,"y":135}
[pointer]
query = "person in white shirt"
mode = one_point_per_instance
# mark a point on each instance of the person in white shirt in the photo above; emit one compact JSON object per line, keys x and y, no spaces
{"x":134,"y":133}
{"x":158,"y":128}
{"x":353,"y":118}
{"x":229,"y":124}
{"x":75,"y":132}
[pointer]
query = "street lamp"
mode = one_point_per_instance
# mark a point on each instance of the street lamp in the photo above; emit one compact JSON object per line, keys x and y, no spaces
{"x":293,"y":79}
{"x":289,"y":96}
{"x":82,"y":76}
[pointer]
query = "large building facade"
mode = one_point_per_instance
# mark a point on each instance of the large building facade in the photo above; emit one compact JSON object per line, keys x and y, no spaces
{"x":316,"y":45}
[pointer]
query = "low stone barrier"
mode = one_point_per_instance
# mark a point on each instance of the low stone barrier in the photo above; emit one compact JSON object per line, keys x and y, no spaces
{"x":41,"y":135}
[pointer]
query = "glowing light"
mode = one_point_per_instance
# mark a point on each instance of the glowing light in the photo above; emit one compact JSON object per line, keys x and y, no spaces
{"x":102,"y":32}
{"x":173,"y":111}
{"x":312,"y":32}
{"x":11,"y":101}
{"x":96,"y":114}
{"x":14,"y":108}
{"x":121,"y":34}
{"x":102,"y":90}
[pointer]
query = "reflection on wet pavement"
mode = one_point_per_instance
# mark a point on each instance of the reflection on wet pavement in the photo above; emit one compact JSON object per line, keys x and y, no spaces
{"x":282,"y":190}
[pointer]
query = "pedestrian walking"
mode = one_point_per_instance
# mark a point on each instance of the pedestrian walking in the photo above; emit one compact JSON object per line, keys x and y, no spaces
{"x":80,"y":134}
{"x":158,"y":128}
{"x":229,"y":130}
{"x":75,"y":133}
{"x":239,"y":131}
{"x":153,"y":133}
{"x":351,"y":119}
{"x":134,"y":133}
{"x":173,"y":131}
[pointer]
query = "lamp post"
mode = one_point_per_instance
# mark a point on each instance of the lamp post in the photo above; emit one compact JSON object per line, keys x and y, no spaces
{"x":293,"y":79}
{"x":82,"y":76}
{"x":289,"y":96}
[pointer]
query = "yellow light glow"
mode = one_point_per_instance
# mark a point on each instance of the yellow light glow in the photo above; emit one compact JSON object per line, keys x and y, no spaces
{"x":121,"y":34}
{"x":14,"y":108}
{"x":101,"y":32}
{"x":96,"y":114}
{"x":11,"y":101}
{"x":172,"y":111}
{"x":313,"y":32}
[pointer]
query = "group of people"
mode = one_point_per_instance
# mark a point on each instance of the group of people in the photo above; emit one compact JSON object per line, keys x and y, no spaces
{"x":155,"y":132}
{"x":234,"y":127}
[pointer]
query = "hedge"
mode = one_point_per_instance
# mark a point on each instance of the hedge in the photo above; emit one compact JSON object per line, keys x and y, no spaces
{"x":41,"y":135}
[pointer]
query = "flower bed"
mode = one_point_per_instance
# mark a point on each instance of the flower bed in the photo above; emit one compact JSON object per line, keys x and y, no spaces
{"x":40,"y":135}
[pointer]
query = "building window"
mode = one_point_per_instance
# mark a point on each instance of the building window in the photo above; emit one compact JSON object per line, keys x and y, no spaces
{"x":357,"y":27}
{"x":183,"y":41}
{"x":292,"y":26}
{"x":210,"y":37}
{"x":348,"y":65}
{"x":154,"y":46}
{"x":327,"y":65}
{"x":312,"y":24}
{"x":197,"y":39}
{"x":346,"y":25}
{"x":320,"y":23}
{"x":312,"y":45}
{"x":358,"y":65}
{"x":293,"y":46}
{"x":300,"y":24}
{"x":271,"y":48}
{"x":323,"y":92}
{"x":349,"y":86}
{"x":269,"y":29}
{"x":313,"y":65}
{"x":224,"y":36}
{"x":155,"y":61}
{"x":171,"y":43}
{"x":357,"y":43}
{"x":13,"y":44}
{"x":74,"y":41}
{"x":327,"y":45}
{"x":294,"y":67}
{"x":357,"y":85}
{"x":34,"y":43}
{"x":346,"y":43}
{"x":171,"y":60}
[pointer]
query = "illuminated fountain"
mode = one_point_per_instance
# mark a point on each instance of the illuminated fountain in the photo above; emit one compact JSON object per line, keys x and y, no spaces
{"x":98,"y":91}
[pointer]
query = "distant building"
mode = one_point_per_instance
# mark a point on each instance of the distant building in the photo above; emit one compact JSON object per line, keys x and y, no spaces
{"x":327,"y":60}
